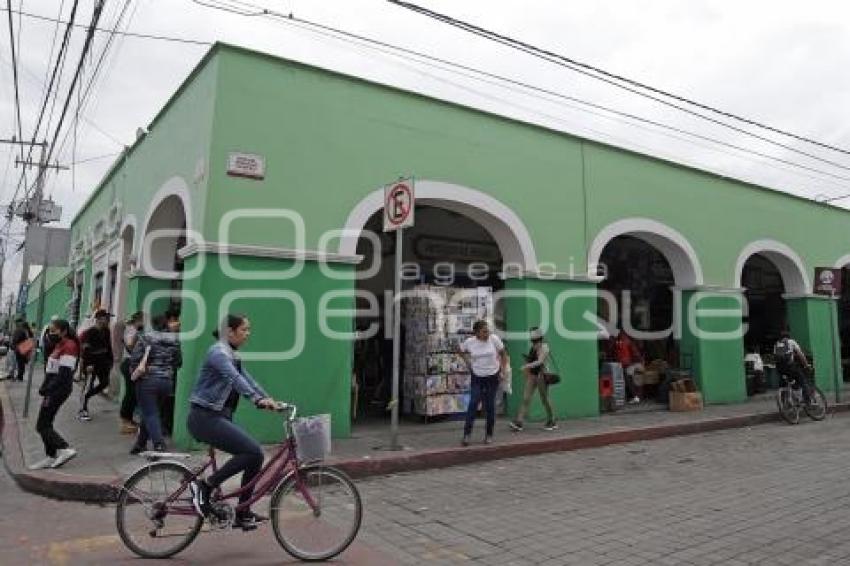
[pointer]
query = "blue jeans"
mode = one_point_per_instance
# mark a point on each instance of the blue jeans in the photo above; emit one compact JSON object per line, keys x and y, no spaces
{"x":483,"y":388}
{"x":150,"y":391}
{"x":217,"y":429}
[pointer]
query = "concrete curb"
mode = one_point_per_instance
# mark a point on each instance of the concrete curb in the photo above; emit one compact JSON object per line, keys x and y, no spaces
{"x":98,"y":489}
{"x":440,"y":458}
{"x":49,"y":483}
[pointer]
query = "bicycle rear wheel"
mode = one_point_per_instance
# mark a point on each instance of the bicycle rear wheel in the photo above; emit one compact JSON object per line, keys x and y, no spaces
{"x":148,"y":524}
{"x":788,"y":409}
{"x":324,"y":527}
{"x":816,"y":409}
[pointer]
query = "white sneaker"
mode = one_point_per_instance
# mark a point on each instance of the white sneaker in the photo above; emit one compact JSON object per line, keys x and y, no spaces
{"x":42,"y":464}
{"x":63,"y":455}
{"x":635,"y":401}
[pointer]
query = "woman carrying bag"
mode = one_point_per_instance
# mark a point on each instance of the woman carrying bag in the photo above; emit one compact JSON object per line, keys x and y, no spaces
{"x":537,"y":378}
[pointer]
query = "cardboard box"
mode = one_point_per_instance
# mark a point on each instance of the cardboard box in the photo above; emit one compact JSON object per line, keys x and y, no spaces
{"x":685,"y":401}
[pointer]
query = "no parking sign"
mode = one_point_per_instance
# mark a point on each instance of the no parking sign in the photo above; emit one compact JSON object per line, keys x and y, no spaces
{"x":399,"y":205}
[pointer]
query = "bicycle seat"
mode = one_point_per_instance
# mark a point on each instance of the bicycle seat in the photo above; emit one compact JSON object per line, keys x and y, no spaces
{"x":154,"y":456}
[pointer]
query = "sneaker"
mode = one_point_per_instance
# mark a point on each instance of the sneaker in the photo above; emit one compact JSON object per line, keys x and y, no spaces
{"x":136,"y":450}
{"x":201,"y":492}
{"x":488,"y":439}
{"x":160,"y":448}
{"x":43,"y":464}
{"x":84,"y":416}
{"x":516,"y":426}
{"x":62,"y":456}
{"x":635,"y":401}
{"x":248,"y":520}
{"x":465,"y":440}
{"x":551,"y":425}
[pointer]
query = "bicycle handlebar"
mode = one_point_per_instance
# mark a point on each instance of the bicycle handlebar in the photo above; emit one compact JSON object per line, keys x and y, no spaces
{"x":289,"y":408}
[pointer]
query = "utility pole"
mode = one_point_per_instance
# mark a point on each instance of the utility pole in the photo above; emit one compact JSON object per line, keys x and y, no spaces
{"x":31,"y":210}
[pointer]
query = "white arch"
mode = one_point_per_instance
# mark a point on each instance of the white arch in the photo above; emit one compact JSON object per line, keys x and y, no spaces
{"x":173,"y":187}
{"x":675,"y":248}
{"x":787,"y":261}
{"x":501,"y":222}
{"x":843,"y":261}
{"x":129,"y":222}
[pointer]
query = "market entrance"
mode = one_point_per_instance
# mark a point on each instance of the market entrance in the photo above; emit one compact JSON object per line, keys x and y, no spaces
{"x":765,"y":317}
{"x":451,"y":272}
{"x":844,"y":322}
{"x":639,"y":283}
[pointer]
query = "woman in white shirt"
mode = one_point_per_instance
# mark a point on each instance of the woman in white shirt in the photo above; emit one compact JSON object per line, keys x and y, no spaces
{"x":486,"y":358}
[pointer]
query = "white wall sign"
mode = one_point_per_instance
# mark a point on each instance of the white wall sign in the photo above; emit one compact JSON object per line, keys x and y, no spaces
{"x":246,"y":165}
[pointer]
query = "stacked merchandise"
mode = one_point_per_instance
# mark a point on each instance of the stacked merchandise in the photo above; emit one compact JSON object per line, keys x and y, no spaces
{"x":436,"y":320}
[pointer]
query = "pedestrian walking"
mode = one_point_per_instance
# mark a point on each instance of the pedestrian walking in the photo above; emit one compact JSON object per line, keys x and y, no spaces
{"x":55,"y":390}
{"x":153,"y":365}
{"x":486,"y":358}
{"x":534,"y":371}
{"x":97,"y":358}
{"x":46,"y":344}
{"x":133,"y":327}
{"x":23,"y":343}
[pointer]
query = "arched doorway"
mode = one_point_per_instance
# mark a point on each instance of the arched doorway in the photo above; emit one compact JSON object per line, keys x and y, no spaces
{"x":843,"y":308}
{"x":161,"y":266}
{"x":128,"y":239}
{"x":640,"y":264}
{"x":768,"y":272}
{"x":454,"y":257}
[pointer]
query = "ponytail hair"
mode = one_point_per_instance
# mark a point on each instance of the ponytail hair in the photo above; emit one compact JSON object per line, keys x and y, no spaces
{"x":232,"y":321}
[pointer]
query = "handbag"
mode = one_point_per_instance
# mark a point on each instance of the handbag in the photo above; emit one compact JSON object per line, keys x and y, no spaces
{"x":551,"y":378}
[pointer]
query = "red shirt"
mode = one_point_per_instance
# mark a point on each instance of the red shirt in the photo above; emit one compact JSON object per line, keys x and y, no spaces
{"x":625,"y":351}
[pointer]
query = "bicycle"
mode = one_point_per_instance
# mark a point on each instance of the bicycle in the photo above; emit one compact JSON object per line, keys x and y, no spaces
{"x":305,"y":497}
{"x":789,"y":399}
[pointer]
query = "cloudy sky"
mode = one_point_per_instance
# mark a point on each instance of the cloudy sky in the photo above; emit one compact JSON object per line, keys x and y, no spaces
{"x":782,"y":63}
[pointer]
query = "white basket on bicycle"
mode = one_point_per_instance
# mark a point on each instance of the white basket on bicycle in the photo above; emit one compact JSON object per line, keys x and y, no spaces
{"x":313,"y":437}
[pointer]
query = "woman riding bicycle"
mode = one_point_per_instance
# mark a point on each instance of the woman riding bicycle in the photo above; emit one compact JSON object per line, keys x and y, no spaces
{"x":213,"y":401}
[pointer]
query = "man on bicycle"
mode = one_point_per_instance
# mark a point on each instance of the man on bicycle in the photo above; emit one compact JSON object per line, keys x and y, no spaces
{"x":792,"y":362}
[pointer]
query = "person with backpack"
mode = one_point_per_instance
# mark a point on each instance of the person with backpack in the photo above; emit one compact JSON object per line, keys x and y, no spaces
{"x":792,"y":362}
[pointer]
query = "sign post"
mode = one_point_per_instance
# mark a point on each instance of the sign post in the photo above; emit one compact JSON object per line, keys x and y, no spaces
{"x":399,"y":206}
{"x":55,"y":247}
{"x":828,"y":282}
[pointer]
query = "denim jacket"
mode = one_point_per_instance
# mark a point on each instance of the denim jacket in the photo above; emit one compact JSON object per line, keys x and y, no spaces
{"x":219,"y":377}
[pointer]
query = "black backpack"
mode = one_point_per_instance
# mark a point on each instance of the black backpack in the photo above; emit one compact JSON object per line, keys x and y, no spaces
{"x":783,"y":352}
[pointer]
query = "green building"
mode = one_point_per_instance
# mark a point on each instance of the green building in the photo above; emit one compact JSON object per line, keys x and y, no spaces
{"x":252,"y":186}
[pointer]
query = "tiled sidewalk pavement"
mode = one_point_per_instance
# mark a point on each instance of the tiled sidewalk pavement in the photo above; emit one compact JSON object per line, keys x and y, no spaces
{"x":772,"y":494}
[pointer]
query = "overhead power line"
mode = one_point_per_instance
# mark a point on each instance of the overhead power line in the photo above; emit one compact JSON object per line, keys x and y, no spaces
{"x":102,"y":30}
{"x":15,"y":76}
{"x":615,"y":80}
{"x":417,"y":56}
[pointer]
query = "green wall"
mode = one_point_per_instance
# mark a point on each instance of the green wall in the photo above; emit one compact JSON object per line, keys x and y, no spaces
{"x":813,"y":325}
{"x":318,"y":380}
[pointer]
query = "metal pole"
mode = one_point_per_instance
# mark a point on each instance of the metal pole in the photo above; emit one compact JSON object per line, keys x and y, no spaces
{"x":396,"y":340}
{"x":36,"y":198}
{"x":38,"y":317}
{"x":833,"y":331}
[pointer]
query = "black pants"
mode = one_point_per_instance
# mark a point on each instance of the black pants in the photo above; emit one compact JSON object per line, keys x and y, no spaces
{"x":50,"y":406}
{"x":101,"y":375}
{"x":799,"y":374}
{"x":217,"y":429}
{"x":22,"y":365}
{"x":483,"y":388}
{"x":128,"y":403}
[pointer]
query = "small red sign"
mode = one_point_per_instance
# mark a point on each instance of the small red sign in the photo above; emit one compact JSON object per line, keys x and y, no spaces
{"x":399,"y":205}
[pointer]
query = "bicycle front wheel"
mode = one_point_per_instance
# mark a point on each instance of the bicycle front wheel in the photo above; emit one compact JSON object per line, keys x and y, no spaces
{"x":151,"y":522}
{"x":316,"y":513}
{"x":816,"y":409}
{"x":788,"y":409}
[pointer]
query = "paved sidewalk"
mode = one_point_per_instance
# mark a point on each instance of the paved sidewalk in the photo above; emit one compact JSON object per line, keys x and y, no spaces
{"x":103,"y":459}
